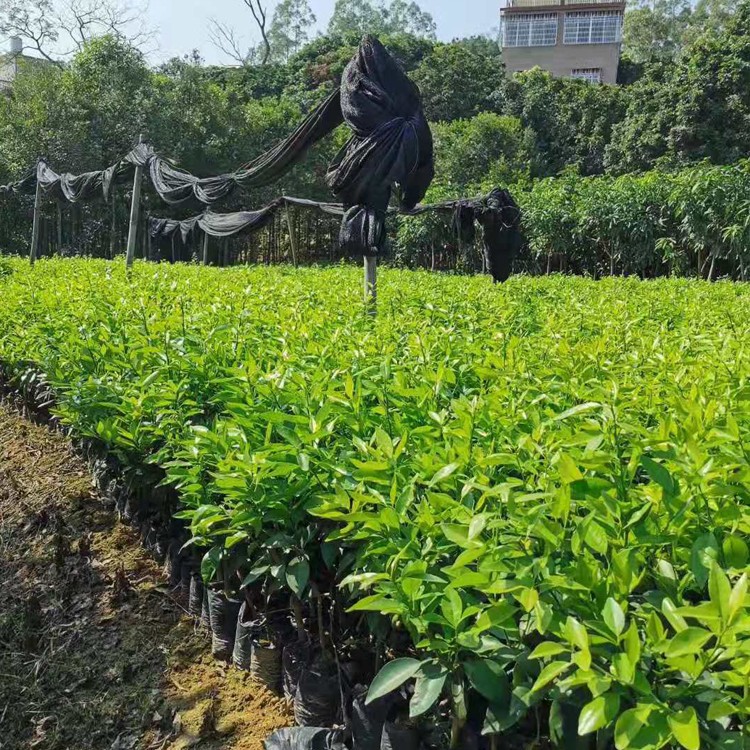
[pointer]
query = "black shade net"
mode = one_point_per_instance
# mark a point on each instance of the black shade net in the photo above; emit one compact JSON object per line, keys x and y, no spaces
{"x":497,"y":213}
{"x":391,"y":145}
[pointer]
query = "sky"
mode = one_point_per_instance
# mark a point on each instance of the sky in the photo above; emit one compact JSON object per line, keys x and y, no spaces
{"x":182,"y":25}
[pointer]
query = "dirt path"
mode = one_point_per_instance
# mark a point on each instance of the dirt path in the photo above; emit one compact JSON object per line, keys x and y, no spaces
{"x":95,"y":651}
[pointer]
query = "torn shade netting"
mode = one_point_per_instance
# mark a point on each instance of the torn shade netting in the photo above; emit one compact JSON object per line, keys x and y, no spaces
{"x":391,"y":145}
{"x":497,"y":213}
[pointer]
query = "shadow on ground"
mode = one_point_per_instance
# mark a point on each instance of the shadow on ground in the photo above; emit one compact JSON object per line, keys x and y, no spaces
{"x":95,"y":650}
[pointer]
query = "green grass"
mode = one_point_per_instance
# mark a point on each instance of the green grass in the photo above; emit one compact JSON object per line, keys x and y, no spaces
{"x":545,"y":484}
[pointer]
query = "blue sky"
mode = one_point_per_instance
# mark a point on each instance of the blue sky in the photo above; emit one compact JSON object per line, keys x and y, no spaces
{"x":182,"y":25}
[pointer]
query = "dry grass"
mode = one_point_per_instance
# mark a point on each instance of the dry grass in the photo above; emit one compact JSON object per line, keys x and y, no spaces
{"x":95,"y":651}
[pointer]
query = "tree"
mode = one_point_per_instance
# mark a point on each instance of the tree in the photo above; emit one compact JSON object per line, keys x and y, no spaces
{"x":59,"y":28}
{"x":225,"y":38}
{"x":655,"y":29}
{"x":477,"y":154}
{"x":408,"y":17}
{"x":459,"y":80}
{"x":362,"y":17}
{"x":290,"y":28}
{"x":695,"y":108}
{"x":82,"y":117}
{"x":660,"y":29}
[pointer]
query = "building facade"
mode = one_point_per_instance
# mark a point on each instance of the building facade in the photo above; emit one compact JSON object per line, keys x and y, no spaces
{"x":568,"y":38}
{"x":12,"y":61}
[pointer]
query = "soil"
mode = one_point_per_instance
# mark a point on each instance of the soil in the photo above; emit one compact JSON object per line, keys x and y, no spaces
{"x":96,"y":652}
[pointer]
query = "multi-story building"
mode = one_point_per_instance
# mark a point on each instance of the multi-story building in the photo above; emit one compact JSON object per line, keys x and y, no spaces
{"x":568,"y":38}
{"x":12,"y":61}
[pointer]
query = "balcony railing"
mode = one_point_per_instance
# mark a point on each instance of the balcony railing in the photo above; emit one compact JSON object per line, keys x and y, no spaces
{"x":557,"y":3}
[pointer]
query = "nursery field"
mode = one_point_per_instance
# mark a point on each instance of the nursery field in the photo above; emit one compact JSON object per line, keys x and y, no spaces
{"x":518,"y":512}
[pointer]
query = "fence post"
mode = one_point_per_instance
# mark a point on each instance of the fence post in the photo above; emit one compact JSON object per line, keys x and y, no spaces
{"x":135,"y":209}
{"x":35,"y":228}
{"x":371,"y":283}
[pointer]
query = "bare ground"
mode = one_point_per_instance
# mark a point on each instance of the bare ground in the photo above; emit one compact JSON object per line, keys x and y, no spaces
{"x":95,"y":650}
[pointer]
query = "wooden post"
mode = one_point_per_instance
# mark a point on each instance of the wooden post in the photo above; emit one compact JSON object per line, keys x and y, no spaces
{"x":35,"y":229}
{"x":292,"y":234}
{"x":135,"y":209}
{"x":205,"y":248}
{"x":371,"y":283}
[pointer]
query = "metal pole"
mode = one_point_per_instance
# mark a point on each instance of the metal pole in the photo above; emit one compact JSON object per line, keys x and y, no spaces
{"x":113,"y":226}
{"x":37,"y":216}
{"x":205,"y":248}
{"x":59,"y":227}
{"x":135,"y":208}
{"x":371,"y":283}
{"x":292,"y":234}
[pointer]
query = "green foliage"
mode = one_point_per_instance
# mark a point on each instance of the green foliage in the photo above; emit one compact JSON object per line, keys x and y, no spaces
{"x":544,"y":484}
{"x":459,"y":80}
{"x":364,"y":17}
{"x":694,"y":222}
{"x":290,"y":29}
{"x":693,"y":109}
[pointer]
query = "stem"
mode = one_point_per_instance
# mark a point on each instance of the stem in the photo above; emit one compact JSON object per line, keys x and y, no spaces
{"x":455,"y":733}
{"x":298,"y":619}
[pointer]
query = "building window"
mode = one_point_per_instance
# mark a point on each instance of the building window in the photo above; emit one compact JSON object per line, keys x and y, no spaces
{"x":530,"y":30}
{"x":592,"y":75}
{"x":597,"y":27}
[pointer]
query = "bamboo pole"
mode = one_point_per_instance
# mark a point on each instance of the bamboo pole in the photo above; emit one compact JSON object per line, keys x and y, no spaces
{"x":371,"y":283}
{"x":34,"y":253}
{"x":135,"y":208}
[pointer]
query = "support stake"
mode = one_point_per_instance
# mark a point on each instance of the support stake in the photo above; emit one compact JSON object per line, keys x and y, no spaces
{"x":135,"y":209}
{"x":37,"y":216}
{"x":371,"y":283}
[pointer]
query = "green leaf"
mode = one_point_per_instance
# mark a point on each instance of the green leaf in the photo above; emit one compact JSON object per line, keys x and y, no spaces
{"x":547,"y":649}
{"x":689,"y":641}
{"x":601,"y":712}
{"x":596,"y":538}
{"x":255,"y":574}
{"x":719,"y":589}
{"x":633,"y":644}
{"x":614,"y":617}
{"x":629,"y":725}
{"x":568,"y":470}
{"x":736,"y":552}
{"x":488,"y":678}
{"x":576,"y":633}
{"x":704,"y":550}
{"x":659,"y":474}
{"x":428,"y":688}
{"x":684,"y":726}
{"x":495,"y":616}
{"x":298,"y":575}
{"x":394,"y":674}
{"x":444,"y":473}
{"x":720,"y":710}
{"x":549,"y":673}
{"x":737,"y":597}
